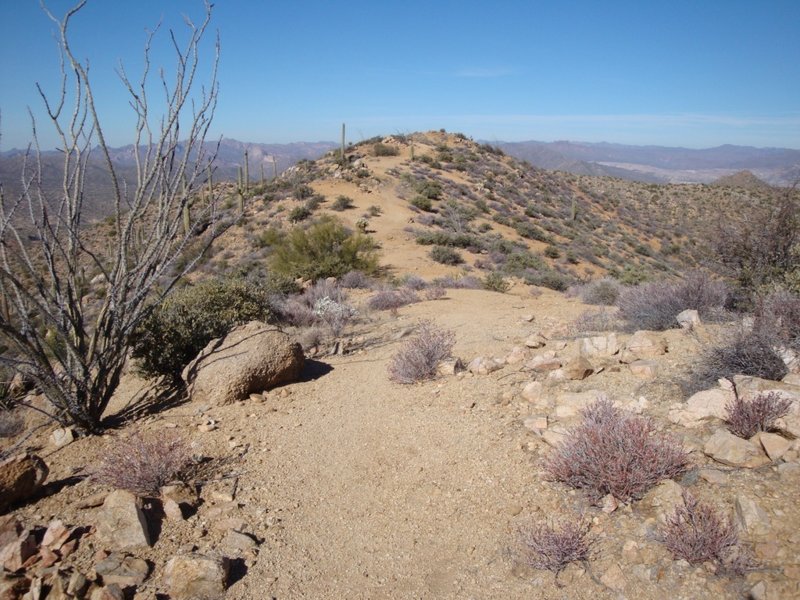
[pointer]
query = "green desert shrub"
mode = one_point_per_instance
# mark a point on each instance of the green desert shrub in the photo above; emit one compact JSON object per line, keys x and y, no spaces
{"x":326,"y":248}
{"x":446,"y":255}
{"x":181,"y":326}
{"x":495,"y":282}
{"x":380,"y":149}
{"x":342,"y":203}
{"x":422,"y":203}
{"x":299,"y":213}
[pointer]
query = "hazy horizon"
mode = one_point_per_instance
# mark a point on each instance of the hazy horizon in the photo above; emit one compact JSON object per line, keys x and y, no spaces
{"x":687,"y":74}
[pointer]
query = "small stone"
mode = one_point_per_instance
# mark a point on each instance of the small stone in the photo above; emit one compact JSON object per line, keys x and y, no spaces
{"x":609,"y":504}
{"x":121,"y":523}
{"x":239,"y":543}
{"x":544,"y":362}
{"x":532,"y":392}
{"x":92,"y":501}
{"x":644,"y":344}
{"x":527,"y":317}
{"x":759,"y":591}
{"x":578,"y":368}
{"x":570,"y":404}
{"x":601,"y":345}
{"x":614,"y":578}
{"x":774,"y":445}
{"x":537,"y":340}
{"x":449,"y":367}
{"x":517,"y":355}
{"x":483,"y":366}
{"x":20,"y":478}
{"x":172,"y":510}
{"x":107,"y":592}
{"x":56,"y":534}
{"x":14,"y":554}
{"x":688,"y":319}
{"x":196,"y":577}
{"x":257,"y":397}
{"x":62,"y":437}
{"x":644,"y":369}
{"x":663,"y":498}
{"x":789,"y":471}
{"x":12,"y":588}
{"x":77,"y":584}
{"x":728,"y":449}
{"x":752,"y":518}
{"x":123,"y":570}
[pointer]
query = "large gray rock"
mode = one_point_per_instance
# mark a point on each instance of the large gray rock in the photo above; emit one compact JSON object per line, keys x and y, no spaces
{"x":703,"y":406}
{"x":121,"y":524}
{"x":250,"y":359}
{"x":643,"y":344}
{"x":600,"y":345}
{"x":195,"y":577}
{"x":21,"y":477}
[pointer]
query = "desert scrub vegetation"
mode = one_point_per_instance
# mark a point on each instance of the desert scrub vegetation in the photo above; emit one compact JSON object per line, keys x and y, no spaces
{"x":380,"y":149}
{"x":342,"y":203}
{"x":604,"y":292}
{"x":495,"y":282}
{"x":420,"y":356}
{"x":392,"y":299}
{"x":655,"y":305}
{"x":553,"y":546}
{"x":143,"y":462}
{"x":697,"y":533}
{"x":745,"y":418}
{"x":325,"y":248}
{"x":446,"y":255}
{"x":615,"y":452}
{"x":181,"y":326}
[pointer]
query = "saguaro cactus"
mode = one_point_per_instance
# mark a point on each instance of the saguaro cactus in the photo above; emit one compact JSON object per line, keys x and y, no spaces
{"x":342,"y":156}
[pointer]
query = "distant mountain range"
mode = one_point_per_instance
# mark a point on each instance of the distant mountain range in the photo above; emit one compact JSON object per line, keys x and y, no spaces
{"x":230,"y":155}
{"x":660,"y":164}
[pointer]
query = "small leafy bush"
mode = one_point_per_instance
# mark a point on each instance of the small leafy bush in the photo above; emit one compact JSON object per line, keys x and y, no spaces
{"x":554,"y":546}
{"x":603,"y":291}
{"x":615,"y":452}
{"x":552,"y":252}
{"x":549,"y":279}
{"x":745,"y":418}
{"x":181,"y":326}
{"x":299,"y":213}
{"x":143,"y":462}
{"x":430,"y":189}
{"x":422,"y":203}
{"x":697,"y":533}
{"x":392,"y":299}
{"x":379,"y":149}
{"x":465,"y":282}
{"x":434,"y":293}
{"x":335,"y":314}
{"x":419,"y":357}
{"x":342,"y":203}
{"x":654,"y":306}
{"x":446,"y":255}
{"x":326,"y":248}
{"x":495,"y":282}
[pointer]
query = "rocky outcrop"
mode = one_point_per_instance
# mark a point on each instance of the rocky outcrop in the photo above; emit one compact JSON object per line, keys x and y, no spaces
{"x":250,"y":359}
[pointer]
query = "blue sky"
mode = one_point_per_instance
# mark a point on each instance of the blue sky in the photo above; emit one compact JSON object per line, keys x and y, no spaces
{"x":693,"y":73}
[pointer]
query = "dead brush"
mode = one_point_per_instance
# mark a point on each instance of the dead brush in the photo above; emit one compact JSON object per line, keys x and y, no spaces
{"x":697,"y":533}
{"x":143,"y":462}
{"x":745,"y":418}
{"x":553,"y":547}
{"x":418,"y":359}
{"x":615,"y":452}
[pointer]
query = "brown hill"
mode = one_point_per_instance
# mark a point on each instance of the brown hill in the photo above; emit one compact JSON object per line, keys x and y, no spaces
{"x":743,"y":179}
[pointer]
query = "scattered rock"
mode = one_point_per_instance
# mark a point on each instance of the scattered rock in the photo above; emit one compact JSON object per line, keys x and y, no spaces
{"x":251,"y":358}
{"x":752,"y":518}
{"x":702,"y":406}
{"x":18,"y":545}
{"x":21,"y":477}
{"x":728,"y":449}
{"x":123,"y":570}
{"x":613,"y":578}
{"x":107,"y":592}
{"x":533,"y":391}
{"x":56,"y":534}
{"x":663,"y":498}
{"x":688,"y":319}
{"x":121,"y":523}
{"x":644,"y":369}
{"x":483,"y":366}
{"x":643,"y":344}
{"x":578,"y":368}
{"x":195,"y":577}
{"x":601,"y":345}
{"x":544,"y":362}
{"x":517,"y":355}
{"x":714,"y":476}
{"x":12,"y":588}
{"x":238,"y":543}
{"x":609,"y":504}
{"x":537,"y":340}
{"x":451,"y":366}
{"x":62,"y":437}
{"x":774,"y":445}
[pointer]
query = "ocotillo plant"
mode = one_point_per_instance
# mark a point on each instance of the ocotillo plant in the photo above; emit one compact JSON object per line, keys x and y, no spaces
{"x":246,"y":172}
